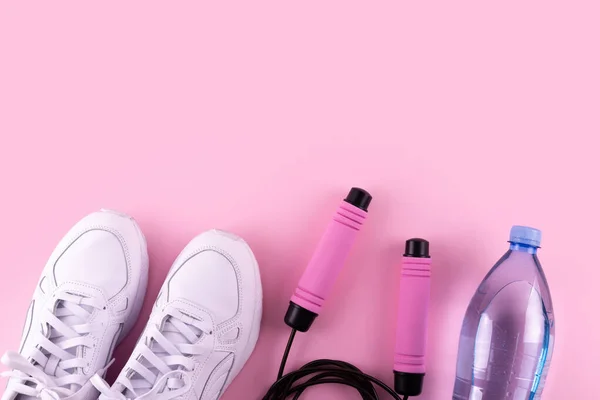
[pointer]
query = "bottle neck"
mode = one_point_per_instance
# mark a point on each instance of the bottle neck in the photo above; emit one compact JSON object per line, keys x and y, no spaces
{"x":523,"y":248}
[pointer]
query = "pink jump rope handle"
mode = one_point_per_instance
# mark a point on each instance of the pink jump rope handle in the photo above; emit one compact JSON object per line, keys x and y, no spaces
{"x":328,"y":260}
{"x":413,"y":306}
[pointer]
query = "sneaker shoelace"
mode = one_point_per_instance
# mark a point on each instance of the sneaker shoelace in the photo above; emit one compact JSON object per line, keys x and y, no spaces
{"x":53,"y":369}
{"x":161,"y":371}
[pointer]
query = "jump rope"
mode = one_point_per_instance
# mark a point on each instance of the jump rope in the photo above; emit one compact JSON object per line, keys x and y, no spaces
{"x":316,"y":284}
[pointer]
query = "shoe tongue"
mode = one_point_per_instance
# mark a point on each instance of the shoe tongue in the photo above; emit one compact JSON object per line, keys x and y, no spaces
{"x":23,"y":397}
{"x":171,"y":333}
{"x":54,"y":336}
{"x":69,"y":320}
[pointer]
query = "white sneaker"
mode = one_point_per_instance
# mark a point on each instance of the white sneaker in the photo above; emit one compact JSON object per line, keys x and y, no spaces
{"x":88,"y":298}
{"x":202,"y":329}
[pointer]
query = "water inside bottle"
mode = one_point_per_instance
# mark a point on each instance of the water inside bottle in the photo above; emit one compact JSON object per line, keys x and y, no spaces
{"x":507,"y":336}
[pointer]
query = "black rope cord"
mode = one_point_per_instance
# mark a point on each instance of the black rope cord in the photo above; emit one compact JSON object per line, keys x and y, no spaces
{"x":292,"y":385}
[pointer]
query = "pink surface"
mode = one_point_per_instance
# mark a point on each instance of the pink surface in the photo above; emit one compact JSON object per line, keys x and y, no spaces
{"x":329,"y":257}
{"x":461,"y":118}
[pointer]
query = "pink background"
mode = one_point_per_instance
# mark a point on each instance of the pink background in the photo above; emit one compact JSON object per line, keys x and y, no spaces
{"x":462,"y":118}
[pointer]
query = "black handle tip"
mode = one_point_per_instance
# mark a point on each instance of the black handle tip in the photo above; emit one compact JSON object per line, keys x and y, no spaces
{"x":408,"y":384}
{"x":299,"y":318}
{"x":417,"y":248}
{"x":359,"y":198}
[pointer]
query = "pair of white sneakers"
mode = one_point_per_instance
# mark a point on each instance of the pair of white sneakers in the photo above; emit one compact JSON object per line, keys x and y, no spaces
{"x":202,"y":328}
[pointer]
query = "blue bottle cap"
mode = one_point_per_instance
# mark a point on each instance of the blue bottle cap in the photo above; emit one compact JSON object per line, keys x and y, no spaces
{"x":525,"y":235}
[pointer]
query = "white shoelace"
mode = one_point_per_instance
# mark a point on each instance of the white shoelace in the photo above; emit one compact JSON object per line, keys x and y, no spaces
{"x":54,"y":368}
{"x":162,"y":370}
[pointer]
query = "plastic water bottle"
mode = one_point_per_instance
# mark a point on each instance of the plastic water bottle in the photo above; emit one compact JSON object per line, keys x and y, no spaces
{"x":508,"y":332}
